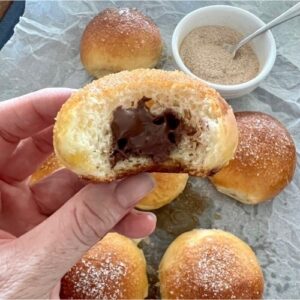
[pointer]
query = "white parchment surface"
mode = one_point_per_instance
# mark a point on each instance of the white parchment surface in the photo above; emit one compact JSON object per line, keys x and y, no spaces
{"x":44,"y":52}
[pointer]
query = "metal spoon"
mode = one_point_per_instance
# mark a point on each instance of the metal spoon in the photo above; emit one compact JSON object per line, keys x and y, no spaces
{"x":289,"y":14}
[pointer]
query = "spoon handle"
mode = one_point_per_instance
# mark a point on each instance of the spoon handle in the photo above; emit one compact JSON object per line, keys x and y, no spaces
{"x":293,"y":12}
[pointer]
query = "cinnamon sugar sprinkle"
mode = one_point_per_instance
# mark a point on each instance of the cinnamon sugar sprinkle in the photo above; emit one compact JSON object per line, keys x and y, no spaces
{"x":99,"y":279}
{"x":258,"y":134}
{"x":214,"y":269}
{"x":206,"y":52}
{"x":123,"y":23}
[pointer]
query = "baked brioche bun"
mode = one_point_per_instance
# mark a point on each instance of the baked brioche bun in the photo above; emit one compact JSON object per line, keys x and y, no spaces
{"x":115,"y":268}
{"x":120,"y":39}
{"x":264,"y":162}
{"x":168,"y":186}
{"x":83,"y":138}
{"x":210,"y":264}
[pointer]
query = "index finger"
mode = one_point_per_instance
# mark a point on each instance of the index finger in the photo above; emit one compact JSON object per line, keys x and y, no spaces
{"x":24,"y":116}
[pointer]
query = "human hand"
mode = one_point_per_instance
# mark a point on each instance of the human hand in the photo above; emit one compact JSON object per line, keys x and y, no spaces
{"x":46,"y":228}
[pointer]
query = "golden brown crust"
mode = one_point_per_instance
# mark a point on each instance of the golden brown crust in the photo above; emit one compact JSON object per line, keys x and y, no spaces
{"x":111,"y":91}
{"x":264,"y":162}
{"x":168,"y":186}
{"x":50,"y":165}
{"x":120,"y":39}
{"x":113,"y":269}
{"x":210,"y":264}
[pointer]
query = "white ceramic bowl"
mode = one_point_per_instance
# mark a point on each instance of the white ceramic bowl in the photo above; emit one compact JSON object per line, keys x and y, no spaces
{"x":242,"y":21}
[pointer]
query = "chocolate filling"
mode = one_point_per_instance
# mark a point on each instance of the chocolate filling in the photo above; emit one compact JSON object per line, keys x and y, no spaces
{"x":137,"y":132}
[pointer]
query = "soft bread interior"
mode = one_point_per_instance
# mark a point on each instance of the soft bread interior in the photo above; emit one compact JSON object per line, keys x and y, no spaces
{"x":83,"y":137}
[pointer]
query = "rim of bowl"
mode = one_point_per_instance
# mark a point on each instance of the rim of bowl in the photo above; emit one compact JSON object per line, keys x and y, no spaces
{"x":225,"y":87}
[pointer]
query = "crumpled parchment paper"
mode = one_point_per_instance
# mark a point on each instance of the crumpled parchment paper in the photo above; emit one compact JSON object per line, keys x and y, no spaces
{"x":44,"y":52}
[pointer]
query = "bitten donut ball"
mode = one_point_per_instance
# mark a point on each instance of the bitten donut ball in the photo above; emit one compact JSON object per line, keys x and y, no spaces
{"x":168,"y":186}
{"x":120,"y":39}
{"x":210,"y":264}
{"x":264,"y":162}
{"x":115,"y":268}
{"x":145,"y":120}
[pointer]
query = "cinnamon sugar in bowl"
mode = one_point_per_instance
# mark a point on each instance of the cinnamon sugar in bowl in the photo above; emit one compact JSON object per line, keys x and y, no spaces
{"x":205,"y":52}
{"x":233,"y":19}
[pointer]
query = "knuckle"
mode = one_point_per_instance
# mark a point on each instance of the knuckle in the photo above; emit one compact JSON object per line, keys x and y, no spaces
{"x":78,"y":229}
{"x":42,"y":145}
{"x":8,"y":137}
{"x":37,"y":111}
{"x":93,"y":225}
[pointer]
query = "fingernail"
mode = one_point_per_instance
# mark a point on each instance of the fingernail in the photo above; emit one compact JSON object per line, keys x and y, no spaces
{"x":149,"y":219}
{"x":133,"y":189}
{"x":151,"y":216}
{"x":147,"y":214}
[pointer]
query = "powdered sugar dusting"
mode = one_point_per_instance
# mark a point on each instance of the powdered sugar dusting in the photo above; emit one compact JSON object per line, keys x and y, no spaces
{"x":128,"y":25}
{"x":113,"y":269}
{"x":263,"y":143}
{"x":214,"y":269}
{"x":98,"y":278}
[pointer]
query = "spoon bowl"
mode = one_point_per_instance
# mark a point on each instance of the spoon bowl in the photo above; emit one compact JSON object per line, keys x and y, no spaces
{"x":240,"y":20}
{"x":291,"y":13}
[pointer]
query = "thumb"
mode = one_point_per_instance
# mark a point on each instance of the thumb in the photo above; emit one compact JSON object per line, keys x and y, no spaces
{"x":53,"y":247}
